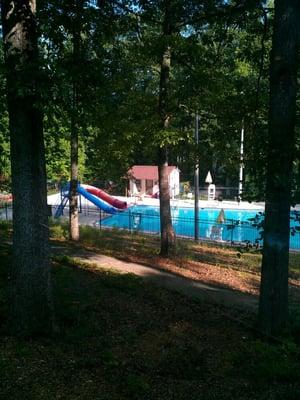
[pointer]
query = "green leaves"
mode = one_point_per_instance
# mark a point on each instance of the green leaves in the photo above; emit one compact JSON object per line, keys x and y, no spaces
{"x":218,"y":67}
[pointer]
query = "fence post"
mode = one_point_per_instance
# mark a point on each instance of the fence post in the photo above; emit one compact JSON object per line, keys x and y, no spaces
{"x":231,"y":240}
{"x":100,"y":219}
{"x":80,"y":205}
{"x":6,"y":213}
{"x":129,"y":221}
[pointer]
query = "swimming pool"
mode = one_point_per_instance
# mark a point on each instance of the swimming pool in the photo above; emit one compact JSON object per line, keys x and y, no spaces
{"x":238,"y":227}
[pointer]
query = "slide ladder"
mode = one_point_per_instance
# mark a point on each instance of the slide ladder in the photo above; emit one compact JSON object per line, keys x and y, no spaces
{"x":60,"y":209}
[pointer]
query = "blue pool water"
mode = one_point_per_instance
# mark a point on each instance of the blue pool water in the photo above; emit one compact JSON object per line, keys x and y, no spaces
{"x":238,"y":226}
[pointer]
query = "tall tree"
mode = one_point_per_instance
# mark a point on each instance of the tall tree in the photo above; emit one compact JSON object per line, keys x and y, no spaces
{"x":273,"y":304}
{"x":173,"y":19}
{"x":63,"y":44}
{"x":166,"y":228}
{"x":31,"y":297}
{"x":73,"y":210}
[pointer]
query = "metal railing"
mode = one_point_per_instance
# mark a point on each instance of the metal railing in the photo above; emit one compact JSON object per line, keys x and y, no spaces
{"x":231,"y":232}
{"x":6,"y":211}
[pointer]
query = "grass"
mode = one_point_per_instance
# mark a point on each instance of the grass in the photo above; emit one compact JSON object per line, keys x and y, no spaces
{"x":117,"y":242}
{"x":121,"y":338}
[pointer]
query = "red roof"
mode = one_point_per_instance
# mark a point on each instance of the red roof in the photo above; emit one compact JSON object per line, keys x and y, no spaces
{"x":147,"y":171}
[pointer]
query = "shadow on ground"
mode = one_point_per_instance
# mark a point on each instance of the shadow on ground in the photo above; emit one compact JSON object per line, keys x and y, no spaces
{"x":121,"y":338}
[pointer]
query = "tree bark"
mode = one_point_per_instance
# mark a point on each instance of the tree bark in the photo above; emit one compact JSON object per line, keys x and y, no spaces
{"x":73,"y":200}
{"x":166,"y":228}
{"x":31,"y":305}
{"x":273,"y":303}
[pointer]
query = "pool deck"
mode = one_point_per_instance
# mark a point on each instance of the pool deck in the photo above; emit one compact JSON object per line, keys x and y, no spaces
{"x":243,"y":205}
{"x":148,"y":201}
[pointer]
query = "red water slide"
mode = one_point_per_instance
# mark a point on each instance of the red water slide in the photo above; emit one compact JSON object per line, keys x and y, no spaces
{"x":106,"y":197}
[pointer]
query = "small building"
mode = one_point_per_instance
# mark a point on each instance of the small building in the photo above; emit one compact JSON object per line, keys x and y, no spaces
{"x":143,"y":180}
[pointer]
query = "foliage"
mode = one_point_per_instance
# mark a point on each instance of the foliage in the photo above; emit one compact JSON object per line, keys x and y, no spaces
{"x":58,"y":230}
{"x":119,"y":91}
{"x":220,"y":63}
{"x":4,"y":137}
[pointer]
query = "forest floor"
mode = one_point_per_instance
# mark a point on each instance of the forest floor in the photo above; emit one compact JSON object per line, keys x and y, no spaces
{"x":121,"y":337}
{"x":234,"y":268}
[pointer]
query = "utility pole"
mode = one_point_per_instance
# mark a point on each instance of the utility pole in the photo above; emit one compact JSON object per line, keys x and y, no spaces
{"x":196,"y":182}
{"x":241,"y":164}
{"x":196,"y":172}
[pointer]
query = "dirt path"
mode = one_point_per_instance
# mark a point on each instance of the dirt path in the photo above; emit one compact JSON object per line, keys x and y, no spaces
{"x":188,"y":287}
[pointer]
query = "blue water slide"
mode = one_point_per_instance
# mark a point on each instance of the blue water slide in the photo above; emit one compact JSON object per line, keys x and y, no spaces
{"x":95,"y":200}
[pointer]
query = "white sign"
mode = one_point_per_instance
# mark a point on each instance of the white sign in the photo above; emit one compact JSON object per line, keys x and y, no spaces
{"x":208,"y":178}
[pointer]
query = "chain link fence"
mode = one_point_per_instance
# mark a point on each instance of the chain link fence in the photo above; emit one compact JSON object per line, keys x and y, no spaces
{"x":233,"y":232}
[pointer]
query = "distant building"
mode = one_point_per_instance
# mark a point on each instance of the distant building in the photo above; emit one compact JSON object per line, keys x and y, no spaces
{"x":143,"y":180}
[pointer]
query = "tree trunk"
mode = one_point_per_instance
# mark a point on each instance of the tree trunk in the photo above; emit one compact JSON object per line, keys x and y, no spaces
{"x":31,"y":290}
{"x":74,"y":220}
{"x":166,"y":228}
{"x":273,"y":304}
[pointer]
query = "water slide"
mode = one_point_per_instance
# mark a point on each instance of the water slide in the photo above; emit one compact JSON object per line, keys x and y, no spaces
{"x":96,"y":196}
{"x":96,"y":201}
{"x":106,"y":197}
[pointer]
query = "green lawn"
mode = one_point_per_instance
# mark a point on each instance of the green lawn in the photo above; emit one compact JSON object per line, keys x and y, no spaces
{"x":121,"y":338}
